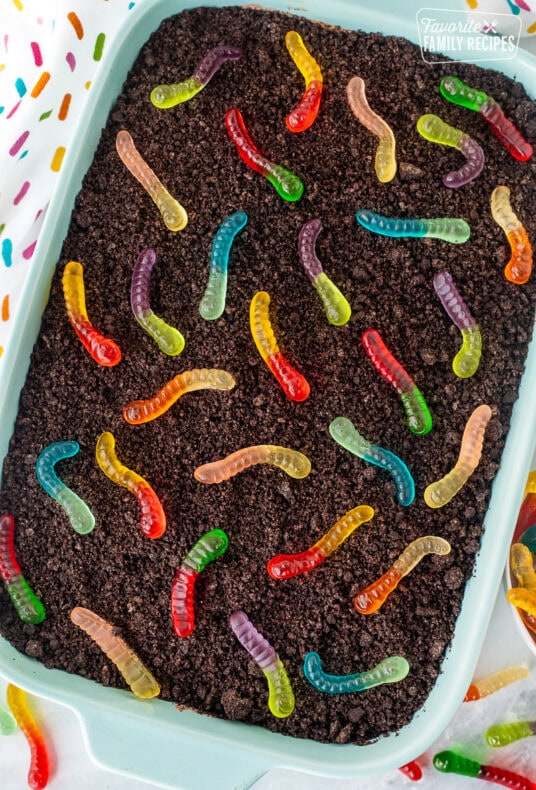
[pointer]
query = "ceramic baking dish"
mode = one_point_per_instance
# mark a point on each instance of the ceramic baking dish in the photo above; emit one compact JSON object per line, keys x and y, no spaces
{"x":152,"y":739}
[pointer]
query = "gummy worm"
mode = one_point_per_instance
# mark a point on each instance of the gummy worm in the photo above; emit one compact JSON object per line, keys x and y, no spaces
{"x":287,"y":185}
{"x":153,"y":519}
{"x":346,"y":434}
{"x":522,"y":565}
{"x":374,"y":596}
{"x":523,"y":599}
{"x":213,"y":302}
{"x":466,"y":361}
{"x":102,"y":349}
{"x":8,"y":725}
{"x":417,"y":412}
{"x":442,"y":491}
{"x":527,"y":513}
{"x":304,"y":115}
{"x":390,"y":670}
{"x":294,"y":463}
{"x":385,"y":162}
{"x":140,"y":411}
{"x":528,"y":538}
{"x":292,"y":383}
{"x":336,"y":306}
{"x":280,"y":694}
{"x":173,"y":214}
{"x":166,"y":96}
{"x":451,"y":229}
{"x":27,"y":605}
{"x":505,"y":734}
{"x":285,"y":566}
{"x":39,"y":772}
{"x":167,"y":338}
{"x":211,"y":545}
{"x":457,"y":92}
{"x":432,"y":128}
{"x":136,"y":675}
{"x":493,"y":683}
{"x":412,"y":770}
{"x":519,"y":267}
{"x":453,"y":763}
{"x":81,"y":518}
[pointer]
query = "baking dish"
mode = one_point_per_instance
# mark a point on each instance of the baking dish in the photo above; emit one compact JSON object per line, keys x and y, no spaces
{"x":152,"y":740}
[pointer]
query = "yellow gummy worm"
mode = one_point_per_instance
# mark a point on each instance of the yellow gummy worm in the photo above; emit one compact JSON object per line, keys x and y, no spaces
{"x":307,"y":65}
{"x":173,"y":214}
{"x":385,"y":163}
{"x":530,"y":487}
{"x":343,"y":528}
{"x":519,"y":267}
{"x":292,"y":462}
{"x":493,"y":683}
{"x":261,"y":326}
{"x":439,"y":493}
{"x":522,"y":566}
{"x":136,"y":675}
{"x":417,"y":549}
{"x":113,"y":468}
{"x":523,"y":599}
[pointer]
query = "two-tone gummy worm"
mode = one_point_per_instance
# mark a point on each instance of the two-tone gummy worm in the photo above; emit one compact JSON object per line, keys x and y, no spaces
{"x":457,"y":92}
{"x":491,"y":684}
{"x":442,"y":491}
{"x":287,"y":185}
{"x":103,"y":350}
{"x":39,"y":772}
{"x":467,"y":360}
{"x":27,"y":605}
{"x":174,"y":216}
{"x":385,"y":161}
{"x":526,"y":520}
{"x":453,"y":763}
{"x":293,"y":384}
{"x":304,"y":114}
{"x":285,"y":566}
{"x":373,"y":597}
{"x":528,"y":537}
{"x":294,"y":463}
{"x":209,"y":547}
{"x":141,"y":411}
{"x":504,"y":734}
{"x":166,"y":96}
{"x":280,"y":694}
{"x":152,"y":519}
{"x":433,"y":128}
{"x":390,"y":670}
{"x":451,"y":229}
{"x":136,"y":675}
{"x":167,"y":338}
{"x":344,"y":432}
{"x":80,"y":516}
{"x":336,"y":306}
{"x":212,"y":304}
{"x":519,"y":267}
{"x":417,"y":412}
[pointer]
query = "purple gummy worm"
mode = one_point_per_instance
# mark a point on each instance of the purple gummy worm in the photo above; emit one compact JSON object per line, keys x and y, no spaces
{"x":306,"y":248}
{"x":141,"y":279}
{"x":471,"y":169}
{"x":451,"y":300}
{"x":260,"y":650}
{"x":212,"y":61}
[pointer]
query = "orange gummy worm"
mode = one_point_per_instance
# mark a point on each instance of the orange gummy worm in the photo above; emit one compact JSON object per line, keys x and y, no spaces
{"x":39,"y":772}
{"x":292,"y":462}
{"x":519,"y":267}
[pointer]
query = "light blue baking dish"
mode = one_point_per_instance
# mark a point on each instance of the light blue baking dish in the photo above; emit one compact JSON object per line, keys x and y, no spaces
{"x":152,"y":740}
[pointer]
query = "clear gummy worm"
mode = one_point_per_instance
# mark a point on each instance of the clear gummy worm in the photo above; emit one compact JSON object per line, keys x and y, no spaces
{"x":432,"y":128}
{"x":141,"y":411}
{"x":519,"y":267}
{"x":417,"y":412}
{"x":304,"y":115}
{"x":152,"y":519}
{"x":212,"y":304}
{"x":390,"y":670}
{"x":344,"y":432}
{"x":209,"y":547}
{"x":442,"y":491}
{"x":80,"y":516}
{"x":385,"y":162}
{"x":136,"y":675}
{"x":336,"y":306}
{"x":27,"y":605}
{"x":166,"y":96}
{"x":103,"y":350}
{"x":495,"y":682}
{"x":174,"y":216}
{"x":280,"y":694}
{"x":372,"y":598}
{"x":167,"y":338}
{"x":293,"y":384}
{"x":467,"y":360}
{"x":294,"y":463}
{"x":285,"y":566}
{"x":39,"y":772}
{"x":451,"y":229}
{"x":452,"y":762}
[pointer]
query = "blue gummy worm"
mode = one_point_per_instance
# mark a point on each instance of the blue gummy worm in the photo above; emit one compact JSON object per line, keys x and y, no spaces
{"x":528,"y":538}
{"x":390,"y":670}
{"x":405,"y":486}
{"x":450,"y":229}
{"x":81,"y":518}
{"x":212,"y":304}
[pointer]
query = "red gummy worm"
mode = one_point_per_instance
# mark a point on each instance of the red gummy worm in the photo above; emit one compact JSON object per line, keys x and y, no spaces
{"x":500,"y":776}
{"x":285,"y":566}
{"x":304,"y":114}
{"x":412,"y":770}
{"x":245,"y":146}
{"x":385,"y":363}
{"x":103,"y":350}
{"x":152,"y":518}
{"x":527,"y":514}
{"x":293,"y":384}
{"x":182,"y":600}
{"x":9,"y":567}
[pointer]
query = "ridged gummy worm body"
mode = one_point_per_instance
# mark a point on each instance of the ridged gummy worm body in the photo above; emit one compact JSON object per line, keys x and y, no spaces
{"x":80,"y":516}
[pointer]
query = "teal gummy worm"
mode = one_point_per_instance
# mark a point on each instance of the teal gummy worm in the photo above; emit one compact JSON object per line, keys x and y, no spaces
{"x":212,"y":304}
{"x":81,"y":518}
{"x":451,"y":229}
{"x":391,"y":670}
